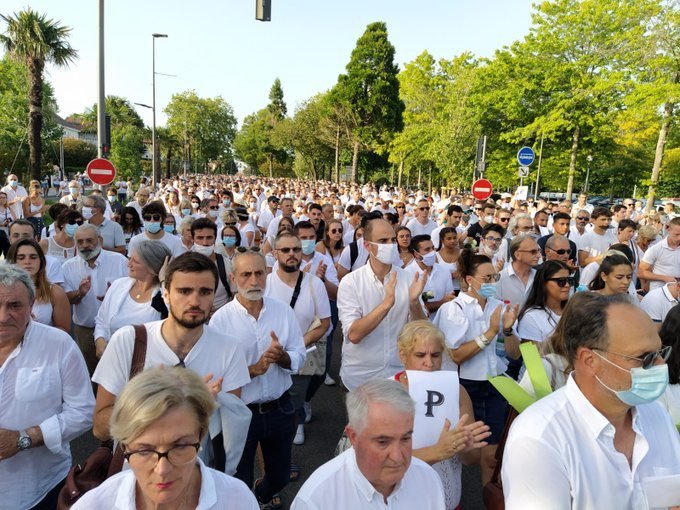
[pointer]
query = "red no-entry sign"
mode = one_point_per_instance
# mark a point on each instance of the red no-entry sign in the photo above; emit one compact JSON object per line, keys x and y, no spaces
{"x":482,"y":189}
{"x":101,"y":171}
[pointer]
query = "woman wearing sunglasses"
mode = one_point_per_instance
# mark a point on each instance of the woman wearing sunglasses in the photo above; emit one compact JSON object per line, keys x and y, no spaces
{"x":332,"y":244}
{"x":546,"y":301}
{"x":472,"y":324}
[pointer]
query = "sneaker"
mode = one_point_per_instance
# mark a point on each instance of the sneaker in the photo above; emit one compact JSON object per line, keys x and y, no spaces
{"x":329,"y":380}
{"x":299,"y":435}
{"x":307,"y":406}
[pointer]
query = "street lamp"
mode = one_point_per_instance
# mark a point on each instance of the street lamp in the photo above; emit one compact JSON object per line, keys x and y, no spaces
{"x":153,"y":107}
{"x":589,"y":159}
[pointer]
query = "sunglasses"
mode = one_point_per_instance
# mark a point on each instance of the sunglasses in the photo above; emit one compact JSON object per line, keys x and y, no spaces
{"x":649,"y":359}
{"x":562,"y":251}
{"x":580,"y":218}
{"x":423,"y":208}
{"x":75,"y":222}
{"x":336,"y":231}
{"x":294,"y":249}
{"x":214,"y":208}
{"x":244,"y":249}
{"x":504,"y":219}
{"x":563,"y":281}
{"x":152,"y":217}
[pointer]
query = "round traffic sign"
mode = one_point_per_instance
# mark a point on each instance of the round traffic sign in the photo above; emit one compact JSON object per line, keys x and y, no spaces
{"x":526,"y":156}
{"x":101,"y":171}
{"x":482,"y":189}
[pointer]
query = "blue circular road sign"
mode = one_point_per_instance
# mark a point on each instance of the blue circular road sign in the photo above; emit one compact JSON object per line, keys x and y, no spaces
{"x":526,"y":156}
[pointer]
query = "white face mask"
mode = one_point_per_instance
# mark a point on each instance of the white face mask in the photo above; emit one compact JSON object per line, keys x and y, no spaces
{"x":87,"y":212}
{"x":488,"y":219}
{"x":429,"y":258}
{"x":212,"y":213}
{"x":386,"y":252}
{"x":203,"y":250}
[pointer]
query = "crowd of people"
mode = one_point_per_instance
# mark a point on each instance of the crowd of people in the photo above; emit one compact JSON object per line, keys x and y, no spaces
{"x":240,"y":283}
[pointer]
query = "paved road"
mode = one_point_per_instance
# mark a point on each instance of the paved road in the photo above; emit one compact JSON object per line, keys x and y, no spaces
{"x":321,"y":436}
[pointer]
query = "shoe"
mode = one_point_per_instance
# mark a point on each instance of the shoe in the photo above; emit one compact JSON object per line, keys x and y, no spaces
{"x":329,"y":380}
{"x":307,"y":406}
{"x":299,"y":435}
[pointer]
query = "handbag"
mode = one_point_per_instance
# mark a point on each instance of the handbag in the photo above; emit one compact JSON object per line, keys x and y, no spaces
{"x":315,"y":362}
{"x":492,"y":493}
{"x":103,"y":462}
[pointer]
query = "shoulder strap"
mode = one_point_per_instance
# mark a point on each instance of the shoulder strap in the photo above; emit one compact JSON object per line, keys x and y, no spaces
{"x":139,"y":352}
{"x":353,"y":254}
{"x":296,"y":291}
{"x":223,"y":274}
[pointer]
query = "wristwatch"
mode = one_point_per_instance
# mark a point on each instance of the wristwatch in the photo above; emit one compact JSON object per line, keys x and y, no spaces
{"x":508,"y":332}
{"x":24,"y":442}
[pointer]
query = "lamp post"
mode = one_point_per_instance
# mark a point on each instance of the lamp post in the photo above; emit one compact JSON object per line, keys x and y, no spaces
{"x":153,"y":107}
{"x":589,"y":159}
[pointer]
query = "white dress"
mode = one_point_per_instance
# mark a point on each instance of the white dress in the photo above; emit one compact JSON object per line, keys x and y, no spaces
{"x":42,"y":313}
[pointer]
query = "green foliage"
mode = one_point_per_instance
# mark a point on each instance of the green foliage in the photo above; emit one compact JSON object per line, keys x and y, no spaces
{"x":277,"y":106}
{"x":119,"y":109}
{"x":127,"y":146}
{"x":78,"y":153}
{"x":207,"y":126}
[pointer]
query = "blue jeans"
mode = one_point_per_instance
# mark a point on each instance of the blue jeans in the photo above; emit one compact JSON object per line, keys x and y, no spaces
{"x":274,"y":432}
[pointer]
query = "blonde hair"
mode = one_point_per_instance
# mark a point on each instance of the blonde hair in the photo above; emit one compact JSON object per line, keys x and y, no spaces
{"x":415,"y":330}
{"x":184,"y":224}
{"x":152,"y":393}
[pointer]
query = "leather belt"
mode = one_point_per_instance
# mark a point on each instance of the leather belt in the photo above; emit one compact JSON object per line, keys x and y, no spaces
{"x":267,"y":407}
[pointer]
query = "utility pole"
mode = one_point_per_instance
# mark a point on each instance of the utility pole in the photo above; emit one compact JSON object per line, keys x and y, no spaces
{"x":101,"y":103}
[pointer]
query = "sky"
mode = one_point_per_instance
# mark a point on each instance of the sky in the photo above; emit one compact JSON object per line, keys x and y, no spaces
{"x":217,"y":48}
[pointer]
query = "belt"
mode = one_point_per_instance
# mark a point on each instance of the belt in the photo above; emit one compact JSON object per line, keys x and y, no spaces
{"x":267,"y":407}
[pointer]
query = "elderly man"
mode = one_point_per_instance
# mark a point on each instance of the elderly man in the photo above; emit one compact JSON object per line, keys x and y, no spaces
{"x":46,"y":399}
{"x":143,"y":196}
{"x":518,"y":276}
{"x":111,"y":232}
{"x":74,"y":197}
{"x":86,"y":280}
{"x":378,"y":471}
{"x":270,"y":334}
{"x":15,"y":196}
{"x":594,"y":442}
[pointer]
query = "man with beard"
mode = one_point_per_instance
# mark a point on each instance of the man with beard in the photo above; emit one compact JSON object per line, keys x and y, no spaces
{"x":182,"y":339}
{"x":86,"y":280}
{"x":269,"y":332}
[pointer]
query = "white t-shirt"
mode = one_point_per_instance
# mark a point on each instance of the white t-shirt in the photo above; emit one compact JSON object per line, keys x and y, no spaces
{"x":312,"y":300}
{"x":658,"y":302}
{"x":537,"y":325}
{"x":595,"y":244}
{"x":664,"y":261}
{"x":173,"y":243}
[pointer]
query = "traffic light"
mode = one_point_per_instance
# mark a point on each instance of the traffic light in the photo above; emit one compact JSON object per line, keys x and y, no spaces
{"x":263,"y":10}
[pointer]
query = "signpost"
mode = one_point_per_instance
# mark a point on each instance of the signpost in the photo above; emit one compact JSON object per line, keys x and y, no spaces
{"x":482,"y":189}
{"x":101,"y":171}
{"x":523,"y":172}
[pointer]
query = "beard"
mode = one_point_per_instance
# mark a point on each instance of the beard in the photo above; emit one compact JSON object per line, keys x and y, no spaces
{"x":290,"y":268}
{"x":252,"y":294}
{"x":189,"y":323}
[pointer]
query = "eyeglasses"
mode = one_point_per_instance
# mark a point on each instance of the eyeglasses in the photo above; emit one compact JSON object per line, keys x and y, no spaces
{"x":496,"y":240}
{"x":77,"y":222}
{"x":423,"y":208}
{"x":563,"y":281}
{"x":581,"y":218}
{"x":648,"y":360}
{"x":177,"y":455}
{"x":335,"y":231}
{"x":561,"y":251}
{"x":244,"y":249}
{"x":489,"y":278}
{"x":531,"y":252}
{"x":152,"y":217}
{"x":294,"y":249}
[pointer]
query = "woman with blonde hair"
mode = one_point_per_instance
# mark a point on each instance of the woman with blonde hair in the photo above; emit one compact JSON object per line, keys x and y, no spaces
{"x":160,"y":421}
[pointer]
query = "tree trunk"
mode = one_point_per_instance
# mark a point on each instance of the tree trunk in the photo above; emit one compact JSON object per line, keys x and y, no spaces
{"x":337,"y":155}
{"x":658,"y":155}
{"x":355,"y":160}
{"x":401,"y":173}
{"x":271,"y":165}
{"x":35,"y":116}
{"x":572,"y":161}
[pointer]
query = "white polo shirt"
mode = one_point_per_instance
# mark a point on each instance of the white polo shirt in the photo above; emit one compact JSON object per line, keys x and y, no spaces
{"x":439,"y":281}
{"x":418,"y":228}
{"x":664,"y":260}
{"x":658,"y":302}
{"x":340,"y":484}
{"x":560,"y":455}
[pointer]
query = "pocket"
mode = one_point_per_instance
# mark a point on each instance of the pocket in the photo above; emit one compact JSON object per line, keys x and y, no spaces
{"x":34,"y":383}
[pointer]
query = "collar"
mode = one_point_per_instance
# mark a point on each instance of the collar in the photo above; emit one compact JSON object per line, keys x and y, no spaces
{"x":667,"y":293}
{"x":243,"y":310}
{"x":372,"y":274}
{"x":97,"y":262}
{"x":511,"y":272}
{"x":664,"y":244}
{"x":365,"y":487}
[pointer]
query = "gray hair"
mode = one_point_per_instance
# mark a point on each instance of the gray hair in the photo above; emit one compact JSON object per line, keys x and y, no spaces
{"x":99,"y":202}
{"x":513,"y":221}
{"x":88,"y":226}
{"x":184,"y":224}
{"x":11,"y":274}
{"x":383,"y":391}
{"x":550,"y":243}
{"x":587,"y":324}
{"x":153,"y":255}
{"x":517,"y":241}
{"x":239,"y":254}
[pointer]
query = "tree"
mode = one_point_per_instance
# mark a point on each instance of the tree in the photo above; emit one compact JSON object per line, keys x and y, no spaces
{"x":277,"y":106}
{"x":127,"y":146}
{"x":370,"y":90}
{"x":35,"y":40}
{"x":118,"y":109}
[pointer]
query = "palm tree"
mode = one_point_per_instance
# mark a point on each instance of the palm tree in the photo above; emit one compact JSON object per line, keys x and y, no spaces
{"x":35,"y":40}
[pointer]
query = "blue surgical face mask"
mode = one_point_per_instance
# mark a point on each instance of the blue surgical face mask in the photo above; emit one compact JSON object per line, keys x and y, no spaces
{"x":308,"y":246}
{"x":186,"y":212}
{"x":169,"y":228}
{"x":70,"y":229}
{"x":226,"y":202}
{"x":646,"y":384}
{"x":153,"y":227}
{"x":112,"y":198}
{"x":229,"y":242}
{"x":73,"y":191}
{"x":487,"y":290}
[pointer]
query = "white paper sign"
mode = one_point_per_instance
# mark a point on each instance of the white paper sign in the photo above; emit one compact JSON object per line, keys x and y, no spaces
{"x":436,"y":397}
{"x":662,"y":491}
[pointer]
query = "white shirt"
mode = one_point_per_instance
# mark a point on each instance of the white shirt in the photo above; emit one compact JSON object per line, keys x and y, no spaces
{"x":537,"y":324}
{"x":664,"y":261}
{"x":575,"y":235}
{"x":439,"y":281}
{"x":312,"y":301}
{"x":463,"y":319}
{"x":339,"y":484}
{"x":118,"y":309}
{"x":254,"y":335}
{"x":44,"y":382}
{"x":266,"y":216}
{"x":218,"y":492}
{"x":108,"y":267}
{"x":595,"y":244}
{"x":511,"y":288}
{"x":670,"y":400}
{"x":658,"y":302}
{"x":418,"y":228}
{"x":560,"y":455}
{"x":174,"y":243}
{"x":214,"y":352}
{"x":12,"y":193}
{"x":376,"y":355}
